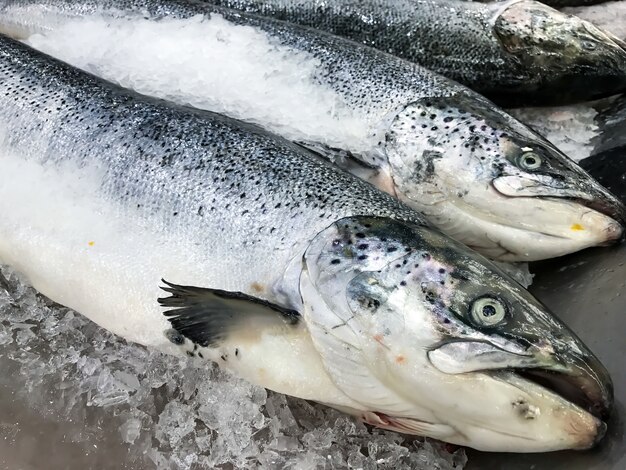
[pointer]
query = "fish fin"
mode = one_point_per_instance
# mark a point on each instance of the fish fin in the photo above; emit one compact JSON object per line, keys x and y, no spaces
{"x":343,"y":158}
{"x":408,"y":425}
{"x":374,"y":171}
{"x":208,"y":316}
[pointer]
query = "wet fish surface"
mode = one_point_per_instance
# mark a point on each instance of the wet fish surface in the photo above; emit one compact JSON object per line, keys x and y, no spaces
{"x":473,"y":170}
{"x":559,"y":3}
{"x":515,"y":53}
{"x":572,"y":3}
{"x":277,"y":266}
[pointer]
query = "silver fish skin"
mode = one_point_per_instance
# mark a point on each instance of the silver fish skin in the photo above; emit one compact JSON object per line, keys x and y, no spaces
{"x":572,"y":3}
{"x":304,"y":270}
{"x":517,"y":53}
{"x":558,"y":3}
{"x":477,"y":173}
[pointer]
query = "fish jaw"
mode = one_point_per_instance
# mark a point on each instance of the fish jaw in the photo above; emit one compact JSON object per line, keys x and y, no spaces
{"x":563,"y":58}
{"x":389,"y":313}
{"x":551,"y":227}
{"x":472,"y":180}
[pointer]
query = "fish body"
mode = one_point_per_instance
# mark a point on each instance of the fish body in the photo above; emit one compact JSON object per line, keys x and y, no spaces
{"x":515,"y":52}
{"x":560,"y":3}
{"x":572,"y":3}
{"x":105,"y":192}
{"x":434,"y":144}
{"x":278,"y":266}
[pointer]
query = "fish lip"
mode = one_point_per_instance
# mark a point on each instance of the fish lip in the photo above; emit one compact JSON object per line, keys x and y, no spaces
{"x":600,"y":414}
{"x":608,"y":206}
{"x":578,"y":377}
{"x":615,"y":211}
{"x":589,"y":393}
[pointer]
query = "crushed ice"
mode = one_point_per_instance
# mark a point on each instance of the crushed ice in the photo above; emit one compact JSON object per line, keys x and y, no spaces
{"x":570,"y":128}
{"x":177,"y":414}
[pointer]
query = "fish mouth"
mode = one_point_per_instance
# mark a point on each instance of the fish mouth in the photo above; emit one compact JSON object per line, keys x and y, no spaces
{"x":615,"y":232}
{"x":586,"y":414}
{"x":602,"y":203}
{"x":578,"y":377}
{"x":579,"y":390}
{"x":573,"y":374}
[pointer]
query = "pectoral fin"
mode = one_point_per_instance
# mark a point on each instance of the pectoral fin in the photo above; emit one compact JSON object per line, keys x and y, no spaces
{"x":409,"y":425}
{"x":208,"y":316}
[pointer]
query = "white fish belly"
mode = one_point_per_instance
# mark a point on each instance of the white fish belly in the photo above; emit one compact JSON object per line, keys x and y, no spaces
{"x":84,"y":253}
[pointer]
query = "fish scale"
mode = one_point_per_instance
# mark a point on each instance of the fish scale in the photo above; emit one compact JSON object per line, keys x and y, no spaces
{"x":195,"y":177}
{"x":463,"y":40}
{"x":105,"y":195}
{"x":376,"y":115}
{"x":415,"y":30}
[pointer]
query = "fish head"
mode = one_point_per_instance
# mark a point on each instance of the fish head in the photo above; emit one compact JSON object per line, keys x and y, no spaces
{"x":438,"y":326}
{"x":489,"y":181}
{"x":559,"y":57}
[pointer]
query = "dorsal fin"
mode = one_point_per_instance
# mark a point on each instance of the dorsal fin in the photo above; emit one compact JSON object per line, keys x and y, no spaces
{"x":207,"y":316}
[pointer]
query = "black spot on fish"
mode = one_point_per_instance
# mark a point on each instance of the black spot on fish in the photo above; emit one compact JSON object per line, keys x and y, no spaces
{"x":175,"y":337}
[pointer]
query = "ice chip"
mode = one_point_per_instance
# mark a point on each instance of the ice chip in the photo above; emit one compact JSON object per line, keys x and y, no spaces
{"x":171,"y":412}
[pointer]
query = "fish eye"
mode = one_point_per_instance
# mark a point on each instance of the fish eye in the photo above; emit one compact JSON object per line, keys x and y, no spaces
{"x":588,"y":45}
{"x":530,"y":161}
{"x":488,"y":311}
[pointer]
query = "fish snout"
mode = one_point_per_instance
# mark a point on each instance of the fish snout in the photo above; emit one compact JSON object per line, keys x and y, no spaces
{"x":572,"y":59}
{"x":605,"y":203}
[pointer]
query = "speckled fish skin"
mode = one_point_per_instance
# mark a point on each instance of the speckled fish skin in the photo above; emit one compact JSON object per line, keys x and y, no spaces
{"x":179,"y":167}
{"x":572,"y":3}
{"x":560,"y":3}
{"x":436,"y":145}
{"x":516,"y":53}
{"x":103,"y":191}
